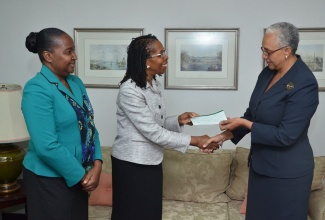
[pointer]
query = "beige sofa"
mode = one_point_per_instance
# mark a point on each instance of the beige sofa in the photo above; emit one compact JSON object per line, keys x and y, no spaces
{"x":200,"y":186}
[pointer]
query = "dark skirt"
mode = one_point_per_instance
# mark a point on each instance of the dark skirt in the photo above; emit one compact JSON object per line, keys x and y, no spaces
{"x":137,"y":191}
{"x":277,"y":198}
{"x":51,"y":199}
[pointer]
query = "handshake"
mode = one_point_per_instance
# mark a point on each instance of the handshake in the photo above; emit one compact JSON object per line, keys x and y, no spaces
{"x":207,"y":144}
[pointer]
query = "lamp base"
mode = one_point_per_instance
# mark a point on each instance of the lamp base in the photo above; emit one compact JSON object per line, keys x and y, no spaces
{"x":9,"y":187}
{"x":11,"y":157}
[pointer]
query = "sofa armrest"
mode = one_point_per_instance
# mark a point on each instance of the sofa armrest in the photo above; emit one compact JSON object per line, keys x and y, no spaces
{"x":317,"y":204}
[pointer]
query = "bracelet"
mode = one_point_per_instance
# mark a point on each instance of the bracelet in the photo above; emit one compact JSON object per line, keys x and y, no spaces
{"x":222,"y":139}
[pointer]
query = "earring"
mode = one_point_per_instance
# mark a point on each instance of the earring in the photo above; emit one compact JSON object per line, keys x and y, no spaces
{"x":148,"y":67}
{"x":286,"y":57}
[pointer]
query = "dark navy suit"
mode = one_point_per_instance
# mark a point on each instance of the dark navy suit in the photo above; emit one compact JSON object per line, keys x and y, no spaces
{"x":281,"y":116}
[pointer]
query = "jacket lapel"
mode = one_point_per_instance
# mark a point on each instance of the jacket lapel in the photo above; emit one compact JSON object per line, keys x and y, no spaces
{"x":281,"y":85}
{"x":76,"y":93}
{"x":275,"y":89}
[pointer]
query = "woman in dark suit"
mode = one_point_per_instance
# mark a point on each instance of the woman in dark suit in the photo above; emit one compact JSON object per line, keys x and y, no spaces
{"x":63,"y":161}
{"x":280,"y":109}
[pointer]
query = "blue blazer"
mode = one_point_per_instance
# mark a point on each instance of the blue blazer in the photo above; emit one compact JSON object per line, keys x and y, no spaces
{"x":55,"y":146}
{"x":281,"y":116}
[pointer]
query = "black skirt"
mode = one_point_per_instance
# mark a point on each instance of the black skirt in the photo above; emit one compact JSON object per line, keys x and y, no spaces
{"x":137,"y":191}
{"x":51,"y":199}
{"x":277,"y":198}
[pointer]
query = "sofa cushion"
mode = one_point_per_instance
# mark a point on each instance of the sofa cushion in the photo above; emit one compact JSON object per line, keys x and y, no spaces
{"x":244,"y":205}
{"x":319,"y":173}
{"x":107,"y":164}
{"x":239,"y":178}
{"x":99,"y":212}
{"x":196,"y":176}
{"x":176,"y":210}
{"x":233,"y":210}
{"x":102,"y":195}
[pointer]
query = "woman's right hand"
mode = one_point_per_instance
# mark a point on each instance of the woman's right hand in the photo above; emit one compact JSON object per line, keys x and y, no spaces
{"x":199,"y":141}
{"x":215,"y":140}
{"x":218,"y":139}
{"x":185,"y":118}
{"x":90,"y":180}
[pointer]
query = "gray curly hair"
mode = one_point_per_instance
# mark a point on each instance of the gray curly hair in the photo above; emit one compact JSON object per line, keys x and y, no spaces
{"x":287,"y":35}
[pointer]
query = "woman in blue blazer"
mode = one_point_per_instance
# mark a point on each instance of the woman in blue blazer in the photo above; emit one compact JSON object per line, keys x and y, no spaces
{"x":63,"y":161}
{"x":280,"y":109}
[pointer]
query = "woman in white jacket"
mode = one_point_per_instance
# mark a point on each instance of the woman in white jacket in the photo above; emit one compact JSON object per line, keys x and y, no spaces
{"x":143,"y":131}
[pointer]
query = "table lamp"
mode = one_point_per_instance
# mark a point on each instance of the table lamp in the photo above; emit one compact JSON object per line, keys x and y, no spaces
{"x":12,"y":130}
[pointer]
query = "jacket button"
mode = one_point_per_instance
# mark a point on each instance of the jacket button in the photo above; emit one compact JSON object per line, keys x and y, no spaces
{"x":162,"y":117}
{"x":159,"y":106}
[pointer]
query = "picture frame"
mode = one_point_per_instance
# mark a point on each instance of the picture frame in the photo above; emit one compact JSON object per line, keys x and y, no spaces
{"x":311,"y":49}
{"x":202,"y":58}
{"x":102,"y":54}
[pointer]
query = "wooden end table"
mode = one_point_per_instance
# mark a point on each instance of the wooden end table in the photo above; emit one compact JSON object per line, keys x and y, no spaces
{"x":14,"y":198}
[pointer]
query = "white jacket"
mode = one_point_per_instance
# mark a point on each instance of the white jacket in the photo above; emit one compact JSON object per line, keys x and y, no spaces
{"x":143,"y":129}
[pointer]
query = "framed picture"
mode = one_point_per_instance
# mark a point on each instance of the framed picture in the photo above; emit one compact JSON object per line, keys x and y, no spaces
{"x":312,"y":51}
{"x":102,"y":55}
{"x":311,"y":48}
{"x":201,"y":58}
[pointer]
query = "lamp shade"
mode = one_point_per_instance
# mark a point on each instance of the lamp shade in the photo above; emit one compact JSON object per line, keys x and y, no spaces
{"x":12,"y":124}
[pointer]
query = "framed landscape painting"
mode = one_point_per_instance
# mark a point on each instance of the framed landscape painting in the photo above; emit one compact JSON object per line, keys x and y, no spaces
{"x":312,"y":51}
{"x":102,"y":55}
{"x":201,"y":58}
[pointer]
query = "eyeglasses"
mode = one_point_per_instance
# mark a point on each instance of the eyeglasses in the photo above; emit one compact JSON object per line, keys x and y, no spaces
{"x":161,"y":55}
{"x":269,"y":53}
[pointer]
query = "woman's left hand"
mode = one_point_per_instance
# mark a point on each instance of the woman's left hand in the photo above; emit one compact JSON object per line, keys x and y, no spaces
{"x":185,"y":118}
{"x":233,"y":123}
{"x":91,"y":178}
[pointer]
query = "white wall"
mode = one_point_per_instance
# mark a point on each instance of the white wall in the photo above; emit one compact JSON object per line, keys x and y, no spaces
{"x":19,"y":17}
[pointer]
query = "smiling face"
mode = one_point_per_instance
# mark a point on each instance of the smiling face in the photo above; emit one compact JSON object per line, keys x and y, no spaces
{"x":61,"y":60}
{"x":275,"y":60}
{"x":158,"y":64}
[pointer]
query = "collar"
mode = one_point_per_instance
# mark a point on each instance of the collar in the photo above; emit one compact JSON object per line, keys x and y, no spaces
{"x":53,"y":79}
{"x":50,"y":76}
{"x":155,"y":86}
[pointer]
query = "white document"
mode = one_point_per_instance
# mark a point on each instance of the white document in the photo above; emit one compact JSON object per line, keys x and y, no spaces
{"x":211,"y":119}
